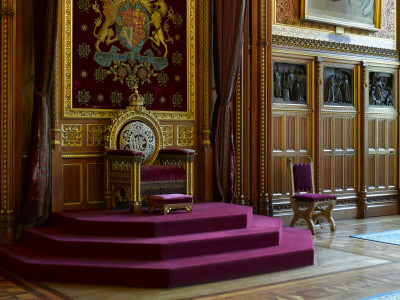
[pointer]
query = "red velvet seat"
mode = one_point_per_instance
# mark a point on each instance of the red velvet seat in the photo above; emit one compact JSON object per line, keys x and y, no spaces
{"x":306,"y":204}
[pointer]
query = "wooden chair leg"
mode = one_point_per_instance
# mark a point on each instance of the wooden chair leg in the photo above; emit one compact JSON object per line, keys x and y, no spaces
{"x":330,"y":218}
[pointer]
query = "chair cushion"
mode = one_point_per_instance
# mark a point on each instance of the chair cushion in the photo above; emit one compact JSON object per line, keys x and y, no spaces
{"x":173,"y":151}
{"x":161,"y":173}
{"x":314,"y":197}
{"x":302,"y":177}
{"x":170,"y":199}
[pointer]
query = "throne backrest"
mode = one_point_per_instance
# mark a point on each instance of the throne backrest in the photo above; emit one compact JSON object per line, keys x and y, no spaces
{"x":136,"y":129}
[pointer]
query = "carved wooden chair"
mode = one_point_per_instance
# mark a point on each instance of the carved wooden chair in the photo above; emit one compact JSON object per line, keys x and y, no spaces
{"x":136,"y":166}
{"x":306,"y":204}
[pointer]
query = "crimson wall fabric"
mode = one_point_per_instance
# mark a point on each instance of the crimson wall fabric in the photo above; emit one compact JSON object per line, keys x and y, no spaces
{"x":228,"y":43}
{"x":36,"y":195}
{"x":117,"y":45}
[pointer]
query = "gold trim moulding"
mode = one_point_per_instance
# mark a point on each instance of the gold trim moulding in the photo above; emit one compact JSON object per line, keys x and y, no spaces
{"x":279,"y":40}
{"x":347,"y":112}
{"x":85,"y":113}
{"x":83,"y":155}
{"x":305,"y":110}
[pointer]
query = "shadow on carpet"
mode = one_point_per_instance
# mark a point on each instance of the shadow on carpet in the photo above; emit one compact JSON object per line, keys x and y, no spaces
{"x":13,"y":287}
{"x":387,"y":237}
{"x":388,"y":296}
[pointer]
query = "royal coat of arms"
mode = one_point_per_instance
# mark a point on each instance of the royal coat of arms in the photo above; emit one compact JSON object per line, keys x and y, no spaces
{"x":132,"y":43}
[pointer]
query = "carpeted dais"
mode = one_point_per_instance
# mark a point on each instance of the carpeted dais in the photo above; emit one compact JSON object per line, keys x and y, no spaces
{"x":388,"y":237}
{"x":217,"y":241}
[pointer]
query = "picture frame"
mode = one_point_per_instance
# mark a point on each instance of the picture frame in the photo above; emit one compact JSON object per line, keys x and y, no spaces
{"x":362,"y":14}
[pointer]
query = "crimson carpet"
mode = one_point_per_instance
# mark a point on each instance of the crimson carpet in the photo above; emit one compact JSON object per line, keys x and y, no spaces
{"x":217,"y":241}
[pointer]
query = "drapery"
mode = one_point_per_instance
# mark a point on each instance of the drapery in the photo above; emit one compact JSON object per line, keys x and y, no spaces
{"x":228,"y":43}
{"x":36,"y":192}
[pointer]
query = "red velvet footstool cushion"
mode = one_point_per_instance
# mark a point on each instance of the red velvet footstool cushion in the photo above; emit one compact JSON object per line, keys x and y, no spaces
{"x":170,"y":199}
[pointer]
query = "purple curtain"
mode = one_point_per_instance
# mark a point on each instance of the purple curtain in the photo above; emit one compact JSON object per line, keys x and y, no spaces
{"x":228,"y":41}
{"x":36,"y":193}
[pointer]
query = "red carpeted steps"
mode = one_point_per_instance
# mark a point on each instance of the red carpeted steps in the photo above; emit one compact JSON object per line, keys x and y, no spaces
{"x":156,"y":250}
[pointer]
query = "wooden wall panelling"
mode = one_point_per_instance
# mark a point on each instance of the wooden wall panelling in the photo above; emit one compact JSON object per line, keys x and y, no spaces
{"x":382,"y":162}
{"x":291,"y":130}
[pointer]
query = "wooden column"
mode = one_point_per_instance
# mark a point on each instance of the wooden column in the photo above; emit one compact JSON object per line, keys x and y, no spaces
{"x":362,"y":211}
{"x":319,"y":92}
{"x":205,"y":154}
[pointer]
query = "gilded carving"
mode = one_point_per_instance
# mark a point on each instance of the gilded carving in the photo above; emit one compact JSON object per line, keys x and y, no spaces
{"x":185,"y":135}
{"x":168,"y":134}
{"x":71,"y":135}
{"x":297,"y":42}
{"x":96,"y":135}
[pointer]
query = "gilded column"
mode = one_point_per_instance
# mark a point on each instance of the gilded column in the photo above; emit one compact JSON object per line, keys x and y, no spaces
{"x":205,"y":157}
{"x":239,"y":197}
{"x":362,"y":197}
{"x":7,"y":111}
{"x":317,"y":103}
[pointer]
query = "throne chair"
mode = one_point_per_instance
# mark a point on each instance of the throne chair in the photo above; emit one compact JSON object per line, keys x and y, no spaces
{"x":136,"y":163}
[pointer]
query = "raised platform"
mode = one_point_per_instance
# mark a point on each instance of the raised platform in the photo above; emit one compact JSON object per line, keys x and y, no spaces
{"x":216,"y":241}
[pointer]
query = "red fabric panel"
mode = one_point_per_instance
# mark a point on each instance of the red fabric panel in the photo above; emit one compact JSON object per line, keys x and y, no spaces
{"x":36,"y":198}
{"x":161,"y":173}
{"x":314,"y":197}
{"x":302,"y":177}
{"x":228,"y":44}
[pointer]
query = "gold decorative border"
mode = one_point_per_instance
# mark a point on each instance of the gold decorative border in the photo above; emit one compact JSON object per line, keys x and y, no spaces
{"x":70,"y":112}
{"x":280,"y":40}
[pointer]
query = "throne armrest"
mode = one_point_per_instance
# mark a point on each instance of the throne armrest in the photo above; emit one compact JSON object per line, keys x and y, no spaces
{"x":176,"y":154}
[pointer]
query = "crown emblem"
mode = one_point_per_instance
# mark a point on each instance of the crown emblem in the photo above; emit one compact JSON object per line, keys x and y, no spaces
{"x":136,"y":99}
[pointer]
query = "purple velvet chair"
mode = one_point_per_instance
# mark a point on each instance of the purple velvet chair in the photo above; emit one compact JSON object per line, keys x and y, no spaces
{"x":136,"y":166}
{"x":306,"y":204}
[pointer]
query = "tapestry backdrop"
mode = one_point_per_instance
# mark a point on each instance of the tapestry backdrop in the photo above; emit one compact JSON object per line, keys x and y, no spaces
{"x":118,"y":44}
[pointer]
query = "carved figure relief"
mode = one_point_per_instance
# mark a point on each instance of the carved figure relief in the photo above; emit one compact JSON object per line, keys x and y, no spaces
{"x":381,"y":89}
{"x":290,"y":83}
{"x":338,"y":86}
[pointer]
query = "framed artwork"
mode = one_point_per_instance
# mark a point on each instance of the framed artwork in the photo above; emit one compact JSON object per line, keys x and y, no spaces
{"x":111,"y":46}
{"x":363,"y":14}
{"x":338,"y":86}
{"x":290,"y":83}
{"x":381,"y":89}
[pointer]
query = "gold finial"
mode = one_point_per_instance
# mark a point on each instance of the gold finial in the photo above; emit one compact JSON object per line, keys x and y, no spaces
{"x":136,"y":99}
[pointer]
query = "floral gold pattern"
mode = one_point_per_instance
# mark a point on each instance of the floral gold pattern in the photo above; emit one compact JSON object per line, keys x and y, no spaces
{"x":96,"y":135}
{"x":148,"y":99}
{"x":83,"y":97}
{"x":84,"y":6}
{"x":116,"y":98}
{"x":100,"y":74}
{"x":71,"y":135}
{"x":177,"y":100}
{"x":185,"y":135}
{"x":84,"y":51}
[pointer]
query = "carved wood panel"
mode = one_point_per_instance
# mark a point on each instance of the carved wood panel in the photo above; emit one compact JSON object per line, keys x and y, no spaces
{"x":339,"y":163}
{"x":382,"y":152}
{"x":292,"y":138}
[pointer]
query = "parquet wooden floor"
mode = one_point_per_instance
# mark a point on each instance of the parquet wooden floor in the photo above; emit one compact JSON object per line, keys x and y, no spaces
{"x":345,"y":268}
